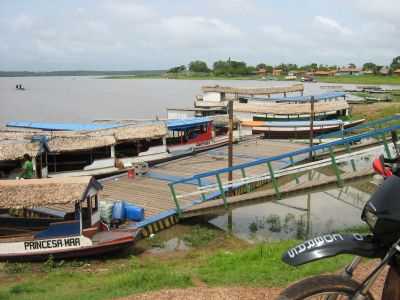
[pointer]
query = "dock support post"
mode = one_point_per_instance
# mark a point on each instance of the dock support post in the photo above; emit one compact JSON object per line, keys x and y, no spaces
{"x":385,"y":144}
{"x":203,"y":197}
{"x":173,"y":192}
{"x":292,"y":164}
{"x":247,"y":184}
{"x":221,"y":190}
{"x":230,"y":221}
{"x":353,"y":165}
{"x":274,"y":181}
{"x":335,"y":168}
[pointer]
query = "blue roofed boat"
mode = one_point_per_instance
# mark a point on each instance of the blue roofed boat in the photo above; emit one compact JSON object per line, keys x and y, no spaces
{"x":102,"y":149}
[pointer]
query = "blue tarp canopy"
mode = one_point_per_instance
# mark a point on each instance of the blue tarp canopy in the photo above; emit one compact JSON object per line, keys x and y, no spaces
{"x":320,"y":97}
{"x":61,"y":126}
{"x":179,"y":124}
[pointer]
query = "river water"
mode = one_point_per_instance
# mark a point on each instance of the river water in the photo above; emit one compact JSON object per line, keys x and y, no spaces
{"x":84,"y":99}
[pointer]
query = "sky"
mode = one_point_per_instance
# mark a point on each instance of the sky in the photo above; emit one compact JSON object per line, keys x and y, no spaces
{"x":45,"y":35}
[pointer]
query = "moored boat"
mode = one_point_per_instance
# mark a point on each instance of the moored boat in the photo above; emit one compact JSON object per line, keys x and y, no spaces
{"x":296,"y":129}
{"x":77,"y":234}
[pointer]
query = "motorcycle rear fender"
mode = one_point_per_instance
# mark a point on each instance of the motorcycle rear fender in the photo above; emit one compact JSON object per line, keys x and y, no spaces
{"x":331,"y":245}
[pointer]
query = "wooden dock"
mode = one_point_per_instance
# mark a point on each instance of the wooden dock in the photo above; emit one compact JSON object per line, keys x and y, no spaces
{"x":152,"y":192}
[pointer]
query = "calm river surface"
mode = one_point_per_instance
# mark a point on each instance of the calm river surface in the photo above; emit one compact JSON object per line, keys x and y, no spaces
{"x":83,"y":99}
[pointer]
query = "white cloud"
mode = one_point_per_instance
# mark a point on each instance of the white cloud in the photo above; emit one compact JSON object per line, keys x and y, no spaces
{"x":197,"y":30}
{"x":132,"y":10}
{"x":22,"y":22}
{"x":383,"y":10}
{"x":332,"y":25}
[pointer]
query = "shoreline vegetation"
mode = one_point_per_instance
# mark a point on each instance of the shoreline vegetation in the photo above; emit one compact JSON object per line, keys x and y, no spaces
{"x":349,"y":79}
{"x":214,"y":259}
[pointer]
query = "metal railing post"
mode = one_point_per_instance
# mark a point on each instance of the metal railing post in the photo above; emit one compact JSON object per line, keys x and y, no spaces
{"x":203,"y":197}
{"x":335,"y":168}
{"x":385,"y":144}
{"x":221,"y":190}
{"x":292,"y":164}
{"x":274,"y":181}
{"x":247,"y":184}
{"x":353,"y":164}
{"x":173,"y":192}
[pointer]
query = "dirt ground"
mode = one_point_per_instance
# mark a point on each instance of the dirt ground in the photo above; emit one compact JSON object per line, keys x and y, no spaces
{"x":243,"y":293}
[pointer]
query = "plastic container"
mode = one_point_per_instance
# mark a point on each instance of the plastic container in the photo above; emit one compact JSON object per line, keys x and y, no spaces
{"x":118,"y":212}
{"x":134,"y":213}
{"x":131,"y":173}
{"x":106,"y":210}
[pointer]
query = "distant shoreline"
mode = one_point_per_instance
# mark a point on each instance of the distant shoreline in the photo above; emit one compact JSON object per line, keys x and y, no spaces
{"x":160,"y":74}
{"x":350,"y":79}
{"x":81,"y":73}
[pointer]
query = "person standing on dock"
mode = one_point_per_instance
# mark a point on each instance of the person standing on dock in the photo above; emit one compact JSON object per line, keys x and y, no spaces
{"x":27,"y":167}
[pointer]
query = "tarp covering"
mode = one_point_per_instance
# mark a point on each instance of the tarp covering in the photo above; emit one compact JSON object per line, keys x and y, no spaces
{"x":61,"y":126}
{"x":177,"y":124}
{"x":320,"y":97}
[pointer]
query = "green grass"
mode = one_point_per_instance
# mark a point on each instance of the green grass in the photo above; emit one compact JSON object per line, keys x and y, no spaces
{"x":362,"y":79}
{"x":258,"y":265}
{"x":199,"y":236}
{"x":126,"y":280}
{"x":262,"y":266}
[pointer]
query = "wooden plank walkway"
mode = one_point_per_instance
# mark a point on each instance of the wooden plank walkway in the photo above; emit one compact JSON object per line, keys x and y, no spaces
{"x":152,"y":191}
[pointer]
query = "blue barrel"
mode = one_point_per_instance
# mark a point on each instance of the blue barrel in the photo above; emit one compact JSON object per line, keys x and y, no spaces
{"x":134,"y":213}
{"x":118,"y":212}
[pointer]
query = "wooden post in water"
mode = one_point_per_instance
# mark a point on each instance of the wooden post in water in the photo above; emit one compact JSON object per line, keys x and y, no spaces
{"x":230,"y":135}
{"x":311,"y":156}
{"x":230,"y":157}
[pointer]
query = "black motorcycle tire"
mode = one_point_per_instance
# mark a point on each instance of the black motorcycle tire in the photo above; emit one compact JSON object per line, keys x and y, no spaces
{"x":321,"y":284}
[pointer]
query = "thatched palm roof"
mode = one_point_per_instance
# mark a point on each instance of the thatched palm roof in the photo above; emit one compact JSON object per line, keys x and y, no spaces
{"x":78,"y":142}
{"x":290,"y":109}
{"x":61,"y":141}
{"x":43,"y":192}
{"x":15,"y":149}
{"x":253,"y":91}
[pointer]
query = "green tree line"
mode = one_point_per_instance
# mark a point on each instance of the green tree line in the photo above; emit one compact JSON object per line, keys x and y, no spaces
{"x":234,"y":68}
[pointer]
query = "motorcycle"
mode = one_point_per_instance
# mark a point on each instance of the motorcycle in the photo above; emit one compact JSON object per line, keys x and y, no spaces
{"x":382,"y":214}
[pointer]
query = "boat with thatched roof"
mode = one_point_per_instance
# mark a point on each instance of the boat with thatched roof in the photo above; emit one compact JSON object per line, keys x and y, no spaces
{"x":30,"y":232}
{"x":102,"y":149}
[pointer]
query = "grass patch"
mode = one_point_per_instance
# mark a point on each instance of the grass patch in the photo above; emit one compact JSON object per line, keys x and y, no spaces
{"x":64,"y":285}
{"x":199,"y":236}
{"x":245,"y":265}
{"x":375,"y":111}
{"x":361,"y":79}
{"x":262,"y":266}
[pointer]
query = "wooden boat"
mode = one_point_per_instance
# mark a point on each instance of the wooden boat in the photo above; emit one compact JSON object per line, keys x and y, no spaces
{"x":193,"y":135}
{"x":296,"y":129}
{"x":79,"y":234}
